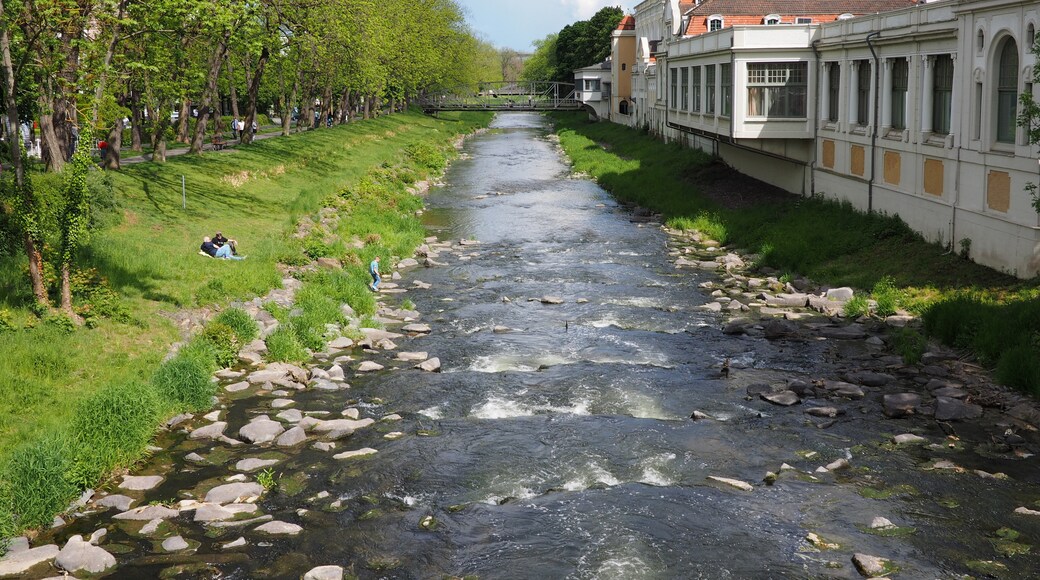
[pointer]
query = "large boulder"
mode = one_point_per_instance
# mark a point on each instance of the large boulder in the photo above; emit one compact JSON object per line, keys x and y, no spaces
{"x":79,"y":555}
{"x":901,"y":404}
{"x":234,"y":492}
{"x":261,"y":430}
{"x":18,"y":562}
{"x":950,"y":409}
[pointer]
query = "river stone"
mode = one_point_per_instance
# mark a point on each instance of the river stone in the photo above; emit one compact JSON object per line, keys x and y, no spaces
{"x":320,"y":373}
{"x":254,"y":463}
{"x":282,"y":403}
{"x":837,"y":465}
{"x":257,"y":345}
{"x":233,"y":492}
{"x":228,"y":374}
{"x":776,"y":328}
{"x":376,"y":334}
{"x":174,"y":544}
{"x":235,"y":544}
{"x":432,"y":365}
{"x":336,"y":373}
{"x":870,"y":379}
{"x":741,"y":485}
{"x":355,"y":453}
{"x":277,"y":528}
{"x":413,"y":356}
{"x":212,"y":416}
{"x":237,"y":387}
{"x":120,"y":502}
{"x":80,"y":556}
{"x":1024,"y":511}
{"x":212,"y":512}
{"x":293,"y":436}
{"x":391,"y":417}
{"x":290,"y":416}
{"x":407,"y":263}
{"x":788,"y":300}
{"x":324,"y":446}
{"x":782,"y":398}
{"x":839,"y":294}
{"x":901,"y":404}
{"x":869,"y":566}
{"x":880,"y":523}
{"x":261,"y":430}
{"x":18,"y":562}
{"x":416,"y":328}
{"x":829,"y":412}
{"x":909,"y":439}
{"x":212,"y":431}
{"x":711,"y":307}
{"x":324,"y":573}
{"x":393,"y":435}
{"x":551,"y":300}
{"x":174,"y":421}
{"x":341,"y":343}
{"x":151,"y":527}
{"x":951,"y":392}
{"x":736,"y":326}
{"x":369,"y":366}
{"x":850,"y":332}
{"x":140,"y":482}
{"x":147,"y":513}
{"x":842,"y":389}
{"x":348,"y":425}
{"x":250,"y":358}
{"x":948,"y":409}
{"x":351,"y":413}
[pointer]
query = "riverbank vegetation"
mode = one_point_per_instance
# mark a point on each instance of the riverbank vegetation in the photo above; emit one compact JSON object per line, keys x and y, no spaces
{"x":995,"y":316}
{"x":77,"y":402}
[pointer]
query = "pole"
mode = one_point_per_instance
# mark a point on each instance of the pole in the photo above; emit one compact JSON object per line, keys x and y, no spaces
{"x":184,"y":195}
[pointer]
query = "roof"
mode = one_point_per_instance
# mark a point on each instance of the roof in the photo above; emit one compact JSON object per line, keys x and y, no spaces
{"x":627,"y":23}
{"x":792,"y":7}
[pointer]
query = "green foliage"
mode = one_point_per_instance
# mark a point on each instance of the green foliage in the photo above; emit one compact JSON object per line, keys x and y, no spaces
{"x":185,"y":379}
{"x":6,"y":320}
{"x":315,"y":247}
{"x":37,"y":476}
{"x":426,"y":156}
{"x":909,"y":344}
{"x":241,"y":323}
{"x":224,"y":341}
{"x":887,"y":296}
{"x":585,"y":42}
{"x":61,"y":322}
{"x":75,"y":215}
{"x":856,"y":307}
{"x":112,"y":428}
{"x":284,"y":346}
{"x":266,"y":479}
{"x":279,"y":312}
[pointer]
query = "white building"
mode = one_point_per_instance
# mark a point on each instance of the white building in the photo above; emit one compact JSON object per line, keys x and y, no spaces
{"x":908,"y":112}
{"x":592,"y":86}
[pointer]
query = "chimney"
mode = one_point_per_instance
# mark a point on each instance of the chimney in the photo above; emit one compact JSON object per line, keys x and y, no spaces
{"x":676,"y":16}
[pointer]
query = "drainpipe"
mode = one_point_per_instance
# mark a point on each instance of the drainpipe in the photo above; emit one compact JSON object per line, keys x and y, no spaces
{"x":874,"y":127}
{"x":816,"y":119}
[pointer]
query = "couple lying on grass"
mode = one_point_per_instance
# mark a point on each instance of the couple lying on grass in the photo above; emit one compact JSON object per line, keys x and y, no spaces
{"x":220,"y":247}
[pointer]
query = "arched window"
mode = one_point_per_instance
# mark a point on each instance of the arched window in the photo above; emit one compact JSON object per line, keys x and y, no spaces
{"x":980,"y":41}
{"x":715,"y":22}
{"x":772,"y":19}
{"x":1031,"y":34}
{"x":623,"y":107}
{"x":1007,"y":91}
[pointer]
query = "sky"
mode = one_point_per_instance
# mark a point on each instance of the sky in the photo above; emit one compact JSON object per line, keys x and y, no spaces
{"x":517,"y":24}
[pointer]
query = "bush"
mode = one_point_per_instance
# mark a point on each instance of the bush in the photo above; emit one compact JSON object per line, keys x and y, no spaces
{"x":887,"y":296}
{"x":241,"y":323}
{"x":61,"y":322}
{"x":1019,"y":367}
{"x":284,"y":346}
{"x":185,"y":380}
{"x":426,"y":156}
{"x":112,"y":427}
{"x":36,"y":477}
{"x":6,"y":321}
{"x":225,"y":343}
{"x":856,"y":307}
{"x":909,"y":344}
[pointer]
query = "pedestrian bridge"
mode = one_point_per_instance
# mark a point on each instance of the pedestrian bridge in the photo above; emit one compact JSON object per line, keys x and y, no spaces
{"x":504,"y":96}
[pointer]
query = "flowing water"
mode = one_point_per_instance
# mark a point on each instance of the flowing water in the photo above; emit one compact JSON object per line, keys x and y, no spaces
{"x":564,"y":448}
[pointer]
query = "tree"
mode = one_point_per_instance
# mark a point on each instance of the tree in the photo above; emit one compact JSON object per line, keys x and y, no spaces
{"x":542,"y":65}
{"x":1029,"y":119}
{"x":585,"y":42}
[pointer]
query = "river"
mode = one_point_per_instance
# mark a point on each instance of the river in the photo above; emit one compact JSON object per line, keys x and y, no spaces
{"x":561,"y":445}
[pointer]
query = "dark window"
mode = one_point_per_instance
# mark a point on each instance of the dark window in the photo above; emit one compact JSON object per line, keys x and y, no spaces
{"x":696,"y":89}
{"x":777,"y":90}
{"x":833,"y":91}
{"x":674,"y":73}
{"x":725,"y":71}
{"x":900,"y":80}
{"x":863,"y":94}
{"x":685,"y":88}
{"x":942,"y":95}
{"x":709,"y":89}
{"x":1007,"y":92}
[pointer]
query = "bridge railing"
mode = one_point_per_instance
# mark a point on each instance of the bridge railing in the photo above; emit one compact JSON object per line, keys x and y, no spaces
{"x":498,"y":96}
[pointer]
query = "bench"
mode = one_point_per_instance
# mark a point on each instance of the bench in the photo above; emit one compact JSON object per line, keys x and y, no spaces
{"x":219,"y":143}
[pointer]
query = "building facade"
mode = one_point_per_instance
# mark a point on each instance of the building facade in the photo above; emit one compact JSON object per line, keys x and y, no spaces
{"x":904,"y":109}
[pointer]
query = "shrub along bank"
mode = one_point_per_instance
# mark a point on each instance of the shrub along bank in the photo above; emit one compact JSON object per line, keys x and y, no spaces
{"x":962,"y":304}
{"x":76,"y":403}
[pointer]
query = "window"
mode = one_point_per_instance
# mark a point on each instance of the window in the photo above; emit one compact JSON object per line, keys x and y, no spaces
{"x":725,"y":71}
{"x":623,"y":107}
{"x":674,"y":79}
{"x":1007,"y":92}
{"x":714,"y":22}
{"x":772,"y":19}
{"x":696,"y":89}
{"x":591,"y":85}
{"x":845,"y":16}
{"x":803,"y":20}
{"x":778,"y":90}
{"x":833,"y":91}
{"x":900,"y":80}
{"x":624,"y":66}
{"x":1031,"y":34}
{"x":685,"y":88}
{"x":709,"y":89}
{"x":980,"y":41}
{"x":942,"y":94}
{"x":863,"y":92}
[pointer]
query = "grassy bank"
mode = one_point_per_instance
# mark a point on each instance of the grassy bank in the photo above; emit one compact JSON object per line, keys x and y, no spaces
{"x":78,"y":402}
{"x":962,"y":303}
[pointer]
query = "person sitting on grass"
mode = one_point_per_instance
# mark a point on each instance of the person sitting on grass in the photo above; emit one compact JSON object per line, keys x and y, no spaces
{"x":224,"y":251}
{"x":220,"y":241}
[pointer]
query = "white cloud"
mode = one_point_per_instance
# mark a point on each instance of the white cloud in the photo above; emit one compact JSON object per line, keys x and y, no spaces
{"x":584,"y":9}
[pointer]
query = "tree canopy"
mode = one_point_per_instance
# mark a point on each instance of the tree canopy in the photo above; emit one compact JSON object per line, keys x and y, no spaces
{"x":577,"y":45}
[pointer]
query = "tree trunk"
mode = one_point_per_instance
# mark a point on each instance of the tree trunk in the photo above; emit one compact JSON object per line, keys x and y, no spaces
{"x":232,"y":90}
{"x":368,"y":107}
{"x":32,"y":250}
{"x":66,"y":293}
{"x":182,"y":121}
{"x":254,"y":91}
{"x":51,"y":146}
{"x":210,"y":92}
{"x":136,"y":121}
{"x":115,"y":142}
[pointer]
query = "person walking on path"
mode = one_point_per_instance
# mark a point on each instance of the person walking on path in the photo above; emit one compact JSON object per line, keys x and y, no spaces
{"x":373,"y":269}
